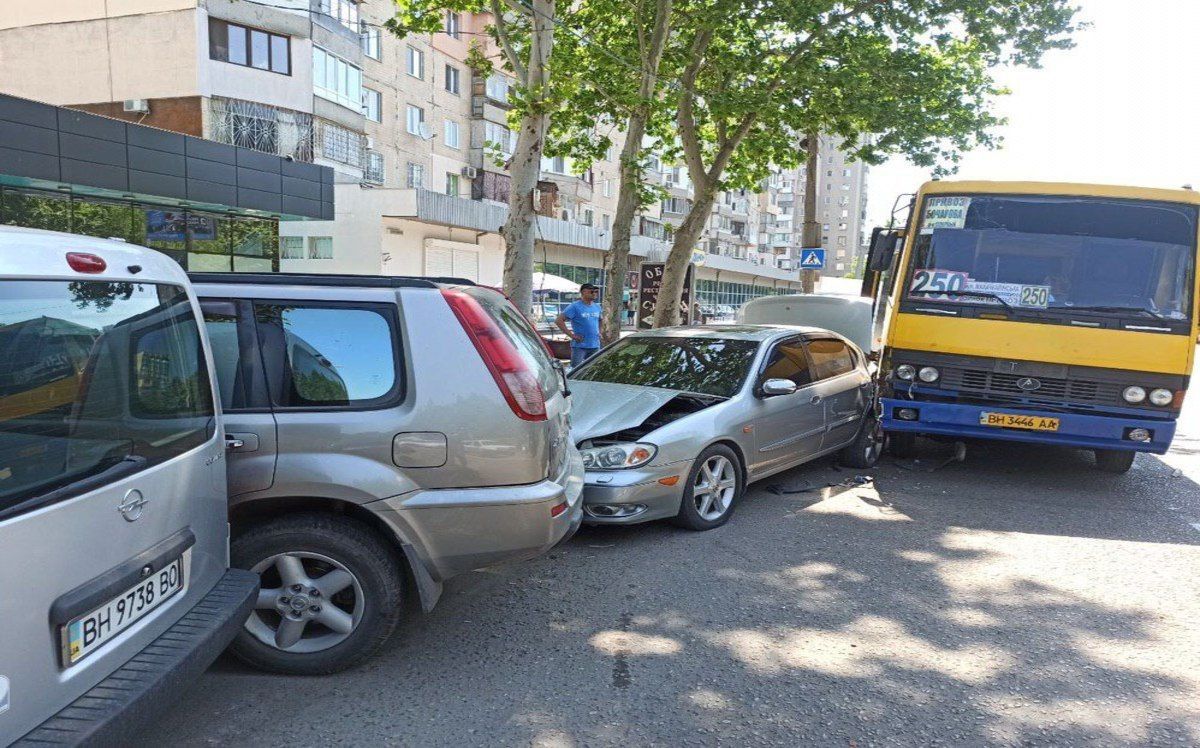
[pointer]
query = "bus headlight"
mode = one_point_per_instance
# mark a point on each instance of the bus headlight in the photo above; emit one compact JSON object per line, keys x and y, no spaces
{"x":906,"y":372}
{"x":1134,"y":394}
{"x":928,"y":374}
{"x":1161,"y":397}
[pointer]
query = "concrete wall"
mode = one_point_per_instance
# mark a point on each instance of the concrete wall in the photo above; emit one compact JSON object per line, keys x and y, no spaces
{"x":216,"y":78}
{"x":92,"y":61}
{"x":19,"y":13}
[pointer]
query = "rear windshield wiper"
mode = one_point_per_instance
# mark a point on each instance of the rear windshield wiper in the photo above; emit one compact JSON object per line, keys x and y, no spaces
{"x":1117,"y":309}
{"x":979,"y":295}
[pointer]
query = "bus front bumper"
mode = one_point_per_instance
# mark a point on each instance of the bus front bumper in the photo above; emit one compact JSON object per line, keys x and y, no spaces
{"x":962,"y":420}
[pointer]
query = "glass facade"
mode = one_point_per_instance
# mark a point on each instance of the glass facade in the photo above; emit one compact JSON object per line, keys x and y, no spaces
{"x":721,"y":293}
{"x":577,"y":273}
{"x":197,"y":240}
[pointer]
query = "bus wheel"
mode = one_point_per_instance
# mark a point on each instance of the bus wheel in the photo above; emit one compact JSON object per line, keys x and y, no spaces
{"x":902,"y":444}
{"x":1114,"y":460}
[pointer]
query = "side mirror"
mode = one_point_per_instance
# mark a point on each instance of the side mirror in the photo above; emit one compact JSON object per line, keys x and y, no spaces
{"x":883,"y":248}
{"x":776,"y":387}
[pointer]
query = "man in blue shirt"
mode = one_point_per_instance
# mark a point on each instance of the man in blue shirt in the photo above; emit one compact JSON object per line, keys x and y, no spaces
{"x":585,"y":324}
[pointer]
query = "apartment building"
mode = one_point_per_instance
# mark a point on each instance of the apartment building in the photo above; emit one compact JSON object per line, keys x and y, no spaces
{"x":841,"y":206}
{"x":417,"y":140}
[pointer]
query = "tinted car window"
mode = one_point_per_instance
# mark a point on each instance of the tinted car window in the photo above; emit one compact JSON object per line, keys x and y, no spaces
{"x":221,"y":323}
{"x":328,"y":356}
{"x":93,"y":374}
{"x":830,"y":358}
{"x":788,"y":361}
{"x":712,"y":366}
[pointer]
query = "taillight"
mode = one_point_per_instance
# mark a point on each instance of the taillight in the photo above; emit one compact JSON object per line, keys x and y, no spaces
{"x":517,"y":383}
{"x":1177,"y":401}
{"x":86,"y":262}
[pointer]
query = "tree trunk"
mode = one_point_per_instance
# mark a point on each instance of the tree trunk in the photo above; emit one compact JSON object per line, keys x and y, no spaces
{"x":666,"y":313}
{"x":617,"y":258}
{"x":811,"y":234}
{"x":526,"y":167}
{"x":519,"y":228}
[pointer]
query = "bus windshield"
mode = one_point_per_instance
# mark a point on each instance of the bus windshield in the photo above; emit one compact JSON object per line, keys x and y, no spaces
{"x":1053,"y":255}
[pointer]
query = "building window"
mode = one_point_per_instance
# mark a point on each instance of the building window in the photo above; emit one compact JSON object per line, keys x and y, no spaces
{"x":240,"y":45}
{"x":587,"y":217}
{"x":415,"y":62}
{"x":291,"y":247}
{"x":370,"y":42}
{"x":497,"y":88}
{"x":320,"y":247}
{"x":605,"y":221}
{"x":373,"y":105}
{"x":415,"y":117}
{"x":554,"y":164}
{"x":344,"y":12}
{"x":453,"y":25}
{"x":498,"y":138}
{"x":262,"y":128}
{"x":451,"y":184}
{"x":452,"y":82}
{"x":337,"y":80}
{"x":415,"y":176}
{"x":374,"y":172}
{"x":841,"y":241}
{"x":342,"y":145}
{"x":608,"y":188}
{"x":451,"y":133}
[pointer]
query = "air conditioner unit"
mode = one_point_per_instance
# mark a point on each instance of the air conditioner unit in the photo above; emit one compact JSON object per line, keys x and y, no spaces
{"x":370,"y":142}
{"x":141,"y":106}
{"x":469,"y":172}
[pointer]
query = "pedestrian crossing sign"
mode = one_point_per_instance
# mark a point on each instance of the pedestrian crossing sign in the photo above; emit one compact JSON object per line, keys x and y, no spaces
{"x":812,"y":259}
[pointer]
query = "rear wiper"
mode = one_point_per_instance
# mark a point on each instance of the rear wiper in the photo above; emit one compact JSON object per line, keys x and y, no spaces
{"x":1101,"y":308}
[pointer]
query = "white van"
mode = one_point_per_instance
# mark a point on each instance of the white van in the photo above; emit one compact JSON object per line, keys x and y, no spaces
{"x":115,"y":587}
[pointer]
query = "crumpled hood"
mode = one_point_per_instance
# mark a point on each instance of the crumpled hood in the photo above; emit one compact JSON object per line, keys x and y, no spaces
{"x":599,"y":408}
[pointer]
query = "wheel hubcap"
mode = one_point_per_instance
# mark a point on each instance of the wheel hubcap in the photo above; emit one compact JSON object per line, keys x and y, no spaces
{"x":308,"y":602}
{"x":714,"y":488}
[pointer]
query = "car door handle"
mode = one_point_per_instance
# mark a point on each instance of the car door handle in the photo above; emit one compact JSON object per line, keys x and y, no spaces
{"x":245,"y":442}
{"x":231,"y":443}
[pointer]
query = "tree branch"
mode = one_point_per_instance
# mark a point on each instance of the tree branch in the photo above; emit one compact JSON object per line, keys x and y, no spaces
{"x":689,"y":138}
{"x":506,"y":44}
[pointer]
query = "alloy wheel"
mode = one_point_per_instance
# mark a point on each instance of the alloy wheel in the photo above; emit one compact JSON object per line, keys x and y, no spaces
{"x":308,"y":602}
{"x":714,"y":488}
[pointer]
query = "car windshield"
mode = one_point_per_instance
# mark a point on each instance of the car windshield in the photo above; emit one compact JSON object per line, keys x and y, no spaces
{"x":1037,"y":253}
{"x":92,"y":374}
{"x":711,"y":366}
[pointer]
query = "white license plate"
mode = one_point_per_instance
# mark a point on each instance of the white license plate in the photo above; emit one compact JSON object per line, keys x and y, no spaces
{"x":91,"y":631}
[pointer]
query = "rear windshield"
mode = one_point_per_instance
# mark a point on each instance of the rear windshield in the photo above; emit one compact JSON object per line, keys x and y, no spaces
{"x":711,"y":366}
{"x":95,"y":375}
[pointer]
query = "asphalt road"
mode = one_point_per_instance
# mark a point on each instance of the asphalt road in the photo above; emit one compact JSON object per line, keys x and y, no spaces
{"x":1020,"y":597}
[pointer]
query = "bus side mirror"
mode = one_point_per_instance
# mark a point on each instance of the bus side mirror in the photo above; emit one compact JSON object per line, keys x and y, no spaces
{"x":883,"y":248}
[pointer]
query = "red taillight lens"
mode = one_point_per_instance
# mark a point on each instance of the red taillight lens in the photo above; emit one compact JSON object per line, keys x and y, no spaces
{"x":1177,"y":401}
{"x":517,"y":383}
{"x":85,"y":262}
{"x":558,"y":509}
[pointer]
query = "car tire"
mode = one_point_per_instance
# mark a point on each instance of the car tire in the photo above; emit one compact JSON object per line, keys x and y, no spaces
{"x":1114,"y":460}
{"x":723,"y":463}
{"x":362,"y":612}
{"x":866,"y":448}
{"x":902,"y":444}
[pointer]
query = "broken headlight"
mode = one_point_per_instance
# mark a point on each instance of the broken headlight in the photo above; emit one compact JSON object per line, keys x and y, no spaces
{"x":617,"y":456}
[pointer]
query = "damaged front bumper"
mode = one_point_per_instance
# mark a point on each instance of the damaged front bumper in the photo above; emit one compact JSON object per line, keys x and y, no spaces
{"x":627,"y":497}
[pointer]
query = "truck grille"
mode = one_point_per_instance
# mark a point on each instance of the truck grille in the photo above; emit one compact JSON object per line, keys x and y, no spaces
{"x":1004,"y":386}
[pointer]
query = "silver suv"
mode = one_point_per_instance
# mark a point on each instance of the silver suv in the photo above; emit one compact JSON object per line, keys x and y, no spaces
{"x":384,"y":435}
{"x":115,"y":590}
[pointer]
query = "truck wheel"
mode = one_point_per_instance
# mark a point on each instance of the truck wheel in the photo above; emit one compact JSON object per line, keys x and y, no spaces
{"x":1114,"y":460}
{"x":864,"y":451}
{"x":331,"y":593}
{"x":902,"y":444}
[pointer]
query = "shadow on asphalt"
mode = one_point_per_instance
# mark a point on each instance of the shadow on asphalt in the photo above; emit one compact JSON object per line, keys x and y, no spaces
{"x":909,"y":612}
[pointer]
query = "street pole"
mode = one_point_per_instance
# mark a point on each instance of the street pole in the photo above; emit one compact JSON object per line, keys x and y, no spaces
{"x":811,"y":234}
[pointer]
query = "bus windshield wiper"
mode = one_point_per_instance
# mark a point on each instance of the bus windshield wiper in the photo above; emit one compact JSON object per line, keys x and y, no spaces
{"x":1102,"y":308}
{"x":982,"y":295}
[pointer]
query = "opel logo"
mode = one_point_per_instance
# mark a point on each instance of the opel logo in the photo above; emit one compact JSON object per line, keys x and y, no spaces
{"x":1028,"y":384}
{"x":131,"y":506}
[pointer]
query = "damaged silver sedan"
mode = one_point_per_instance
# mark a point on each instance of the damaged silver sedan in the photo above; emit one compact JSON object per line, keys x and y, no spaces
{"x":674,"y":423}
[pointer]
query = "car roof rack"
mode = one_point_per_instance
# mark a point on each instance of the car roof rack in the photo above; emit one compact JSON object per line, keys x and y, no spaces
{"x":330,"y":279}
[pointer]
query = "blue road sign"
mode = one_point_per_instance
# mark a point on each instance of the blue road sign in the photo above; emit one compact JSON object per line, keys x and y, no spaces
{"x":812,"y":259}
